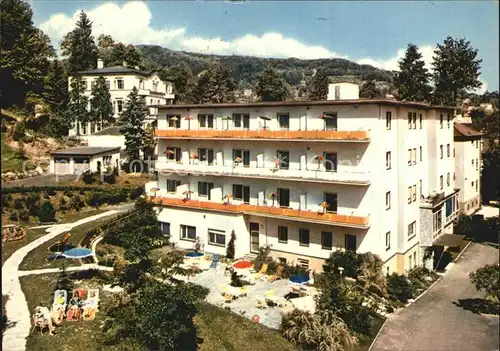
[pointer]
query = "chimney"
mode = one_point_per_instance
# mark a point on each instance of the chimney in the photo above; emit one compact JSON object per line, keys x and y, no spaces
{"x":100,"y":63}
{"x":124,"y":64}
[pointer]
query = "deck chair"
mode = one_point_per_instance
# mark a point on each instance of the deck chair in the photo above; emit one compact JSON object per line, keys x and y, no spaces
{"x":215,"y":261}
{"x":60,"y":298}
{"x":262,"y":272}
{"x":73,"y":313}
{"x":92,"y":298}
{"x":277,"y":275}
{"x":89,"y":313}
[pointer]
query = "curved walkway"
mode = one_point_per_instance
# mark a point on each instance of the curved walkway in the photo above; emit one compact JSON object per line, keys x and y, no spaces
{"x":437,"y":321}
{"x":18,"y":315}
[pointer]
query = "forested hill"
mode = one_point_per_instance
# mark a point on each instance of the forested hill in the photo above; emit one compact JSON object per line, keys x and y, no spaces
{"x":246,"y":68}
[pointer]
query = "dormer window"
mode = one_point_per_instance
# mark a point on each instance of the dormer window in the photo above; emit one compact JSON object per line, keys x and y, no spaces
{"x":155,"y":86}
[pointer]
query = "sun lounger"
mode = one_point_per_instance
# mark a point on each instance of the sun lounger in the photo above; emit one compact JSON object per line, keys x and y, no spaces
{"x":262,"y":272}
{"x":277,"y":275}
{"x":60,"y":298}
{"x":73,"y":313}
{"x":92,"y":298}
{"x":89,"y":313}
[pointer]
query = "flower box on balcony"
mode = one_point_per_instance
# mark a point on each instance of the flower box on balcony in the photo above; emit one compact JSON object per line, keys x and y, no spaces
{"x":290,"y":212}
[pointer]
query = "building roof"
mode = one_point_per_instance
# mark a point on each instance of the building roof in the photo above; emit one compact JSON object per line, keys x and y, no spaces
{"x":114,"y":130}
{"x":463,"y":132}
{"x":115,"y":70}
{"x":85,"y":151}
{"x":291,"y":103}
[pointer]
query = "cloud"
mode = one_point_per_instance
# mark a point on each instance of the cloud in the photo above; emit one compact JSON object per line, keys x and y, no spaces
{"x":392,"y":63}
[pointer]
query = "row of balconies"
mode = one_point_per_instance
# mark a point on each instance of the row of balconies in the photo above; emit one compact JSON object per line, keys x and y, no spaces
{"x":268,"y":211}
{"x":356,"y":136}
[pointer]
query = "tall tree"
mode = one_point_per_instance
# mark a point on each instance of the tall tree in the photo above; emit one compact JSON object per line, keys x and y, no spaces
{"x":318,"y":89}
{"x":412,"y":80}
{"x":79,"y":46}
{"x":25,"y":52}
{"x":149,"y":142}
{"x":77,"y":112}
{"x":456,"y":70}
{"x":184,"y":82}
{"x":271,"y":86}
{"x":369,"y":90}
{"x":56,"y":88}
{"x":489,"y":175}
{"x":101,"y":109}
{"x":132,"y":121}
{"x":215,"y":85}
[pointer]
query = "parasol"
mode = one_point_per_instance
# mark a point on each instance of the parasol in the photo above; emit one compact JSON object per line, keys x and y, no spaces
{"x":195,"y":254}
{"x":174,"y":118}
{"x":243,"y":265}
{"x":78,"y":252}
{"x":324,"y":115}
{"x":299,"y":278}
{"x":265,"y":118}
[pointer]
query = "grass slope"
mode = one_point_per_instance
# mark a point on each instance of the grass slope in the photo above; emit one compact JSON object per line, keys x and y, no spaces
{"x":12,"y":160}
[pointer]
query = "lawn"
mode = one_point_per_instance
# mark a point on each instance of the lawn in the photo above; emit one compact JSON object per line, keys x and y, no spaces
{"x":12,"y":160}
{"x":219,"y":329}
{"x":37,"y":259}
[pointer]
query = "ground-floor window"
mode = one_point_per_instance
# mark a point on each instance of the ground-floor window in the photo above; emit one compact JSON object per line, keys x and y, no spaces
{"x":304,"y":237}
{"x":165,"y":228}
{"x":188,"y":232}
{"x":350,"y":242}
{"x":282,"y":260}
{"x":326,"y":240}
{"x":282,"y":234}
{"x":303,"y":263}
{"x":217,"y":237}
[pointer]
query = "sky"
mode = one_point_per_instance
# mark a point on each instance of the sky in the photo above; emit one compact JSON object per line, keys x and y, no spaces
{"x":370,"y":32}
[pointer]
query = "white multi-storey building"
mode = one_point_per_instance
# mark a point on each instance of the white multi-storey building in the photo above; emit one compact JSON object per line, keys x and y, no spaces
{"x":120,"y":81}
{"x":308,"y":177}
{"x":468,"y":167}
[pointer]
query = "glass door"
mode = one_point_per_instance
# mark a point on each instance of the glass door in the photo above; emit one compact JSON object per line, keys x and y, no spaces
{"x":254,"y":237}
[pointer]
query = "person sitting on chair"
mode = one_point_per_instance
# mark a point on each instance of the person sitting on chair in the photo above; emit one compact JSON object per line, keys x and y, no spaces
{"x":60,"y":299}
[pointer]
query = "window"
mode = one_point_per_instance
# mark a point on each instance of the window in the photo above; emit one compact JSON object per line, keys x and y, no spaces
{"x":409,"y":194}
{"x":204,"y":188}
{"x":284,"y":121}
{"x":282,"y":260}
{"x":420,"y":188}
{"x":326,"y":240}
{"x":92,"y":84}
{"x":412,"y":229}
{"x":241,"y":156}
{"x":453,"y":152}
{"x":414,"y":193}
{"x":448,"y":179}
{"x":454,"y":176}
{"x":165,"y":228}
{"x":331,"y":199}
{"x":241,"y":192}
{"x":206,"y":121}
{"x":283,"y":158}
{"x":477,"y":164}
{"x":409,"y":120}
{"x":441,"y":151}
{"x":120,"y":84}
{"x":414,"y":259}
{"x":409,"y":157}
{"x":84,"y":84}
{"x":448,"y":150}
{"x":174,"y":121}
{"x":414,"y":120}
{"x":119,"y":106}
{"x":283,"y":197}
{"x":409,"y":262}
{"x":441,"y":121}
{"x":330,"y":161}
{"x":388,"y":200}
{"x":350,"y":242}
{"x":388,"y":120}
{"x":188,"y":233}
{"x":420,"y":121}
{"x":282,"y":234}
{"x":238,"y":118}
{"x":472,"y":184}
{"x":172,"y":185}
{"x":387,"y":240}
{"x":473,"y":162}
{"x":414,"y":156}
{"x":304,"y":237}
{"x":174,"y":154}
{"x":477,"y":185}
{"x":420,"y":151}
{"x":448,"y":119}
{"x":206,"y":155}
{"x":477,"y":144}
{"x":330,"y":119}
{"x":108,"y":84}
{"x":441,"y":182}
{"x":155,"y":86}
{"x":303,"y":262}
{"x":216,"y":237}
{"x":388,"y":160}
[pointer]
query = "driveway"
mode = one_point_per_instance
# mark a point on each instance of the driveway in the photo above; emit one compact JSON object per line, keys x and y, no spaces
{"x":435,"y":322}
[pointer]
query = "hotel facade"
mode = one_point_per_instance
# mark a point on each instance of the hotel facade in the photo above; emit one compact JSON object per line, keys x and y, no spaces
{"x":307,"y":178}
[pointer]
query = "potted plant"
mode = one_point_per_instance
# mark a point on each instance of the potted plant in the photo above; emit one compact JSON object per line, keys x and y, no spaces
{"x":228,"y":197}
{"x":324,"y":205}
{"x":273,"y":196}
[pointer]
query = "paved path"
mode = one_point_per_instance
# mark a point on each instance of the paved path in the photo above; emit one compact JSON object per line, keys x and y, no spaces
{"x":84,"y":267}
{"x":18,"y":314}
{"x":435,"y":322}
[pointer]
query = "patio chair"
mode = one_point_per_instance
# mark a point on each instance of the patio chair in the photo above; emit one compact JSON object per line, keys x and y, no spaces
{"x":89,"y":313}
{"x":92,"y":298}
{"x":262,"y":272}
{"x":277,"y":275}
{"x":73,"y":313}
{"x":60,"y":299}
{"x":215,"y":261}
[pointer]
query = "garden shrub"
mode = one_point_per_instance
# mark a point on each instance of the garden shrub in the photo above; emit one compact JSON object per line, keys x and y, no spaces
{"x":46,"y":212}
{"x":136,"y":192}
{"x":18,"y":203}
{"x":51,"y":191}
{"x":399,"y":288}
{"x":348,"y":260}
{"x":487,"y":278}
{"x":23,"y":215}
{"x":14,"y":216}
{"x":110,"y":175}
{"x":76,"y":203}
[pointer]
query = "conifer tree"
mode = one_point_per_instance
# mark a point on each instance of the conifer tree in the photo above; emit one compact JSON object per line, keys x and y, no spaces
{"x":271,"y":86}
{"x":79,"y":46}
{"x":369,"y":90}
{"x":77,"y":112}
{"x":56,"y":88}
{"x":101,"y":109}
{"x":215,"y":85}
{"x":412,"y":81}
{"x":318,"y":89}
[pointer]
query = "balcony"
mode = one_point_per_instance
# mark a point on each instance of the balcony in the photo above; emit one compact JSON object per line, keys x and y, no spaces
{"x":266,"y":134}
{"x":347,"y":178}
{"x":362,"y":222}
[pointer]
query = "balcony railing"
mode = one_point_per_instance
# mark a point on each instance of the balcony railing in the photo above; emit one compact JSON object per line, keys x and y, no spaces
{"x":354,"y":178}
{"x":303,"y":215}
{"x":359,"y":135}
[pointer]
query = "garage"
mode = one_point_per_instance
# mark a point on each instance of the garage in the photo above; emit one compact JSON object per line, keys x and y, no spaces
{"x":78,"y":160}
{"x":61,"y":165}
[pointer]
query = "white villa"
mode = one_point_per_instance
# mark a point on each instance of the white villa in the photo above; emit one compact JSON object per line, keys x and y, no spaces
{"x":309,"y":177}
{"x":121,"y":80}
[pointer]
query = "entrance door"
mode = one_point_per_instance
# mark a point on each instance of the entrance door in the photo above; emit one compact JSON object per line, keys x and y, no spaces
{"x":330,"y":161}
{"x":331,"y":200}
{"x":254,"y":237}
{"x":284,"y":197}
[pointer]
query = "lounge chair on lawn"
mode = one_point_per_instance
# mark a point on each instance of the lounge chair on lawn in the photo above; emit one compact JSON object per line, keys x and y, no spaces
{"x":277,"y":275}
{"x":262,"y":272}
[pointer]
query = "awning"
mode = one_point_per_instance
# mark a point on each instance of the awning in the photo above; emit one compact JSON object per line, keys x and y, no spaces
{"x":448,"y":240}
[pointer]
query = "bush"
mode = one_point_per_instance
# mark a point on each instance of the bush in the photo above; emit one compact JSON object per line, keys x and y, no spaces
{"x":19,"y":203}
{"x":88,"y":177}
{"x":19,"y":132}
{"x":32,"y":202}
{"x":399,"y":288}
{"x":76,"y":203}
{"x":110,"y":175}
{"x":47,"y":213}
{"x":14,"y":216}
{"x":348,"y":260}
{"x":51,"y":192}
{"x":230,"y":251}
{"x":136,"y":192}
{"x":487,"y":278}
{"x":23,"y":215}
